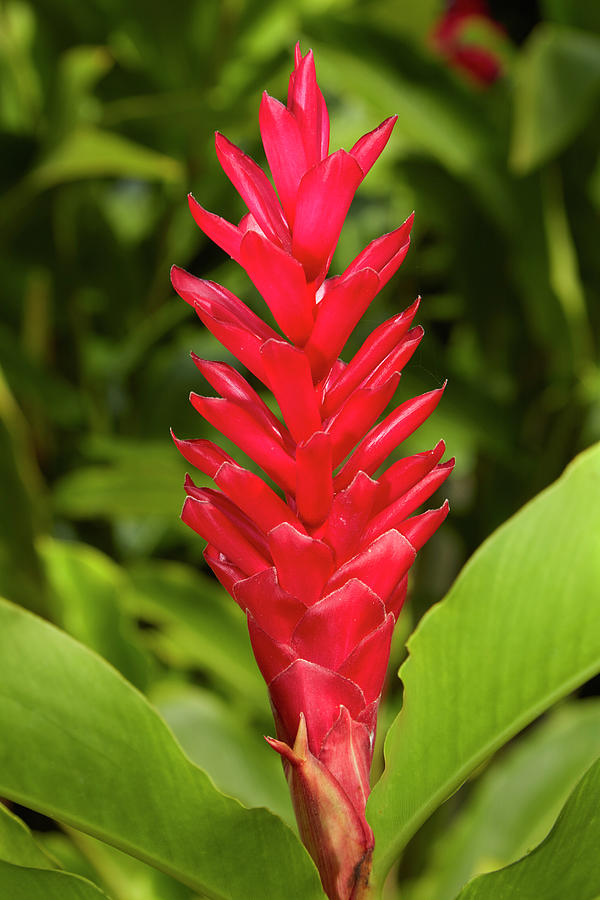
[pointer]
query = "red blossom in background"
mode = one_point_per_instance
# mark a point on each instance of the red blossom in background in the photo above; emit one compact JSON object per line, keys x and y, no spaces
{"x":319,"y":567}
{"x":450,"y":40}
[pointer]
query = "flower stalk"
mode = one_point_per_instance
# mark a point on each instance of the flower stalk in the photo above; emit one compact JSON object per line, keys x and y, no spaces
{"x":316,"y":553}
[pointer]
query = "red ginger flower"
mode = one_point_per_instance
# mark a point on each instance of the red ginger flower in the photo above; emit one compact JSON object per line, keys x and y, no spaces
{"x":321,"y":575}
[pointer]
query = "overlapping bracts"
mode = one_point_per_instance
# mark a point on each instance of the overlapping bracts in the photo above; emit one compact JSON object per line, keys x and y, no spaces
{"x":319,"y":566}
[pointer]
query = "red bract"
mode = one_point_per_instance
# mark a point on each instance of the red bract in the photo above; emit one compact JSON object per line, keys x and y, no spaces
{"x":319,"y":563}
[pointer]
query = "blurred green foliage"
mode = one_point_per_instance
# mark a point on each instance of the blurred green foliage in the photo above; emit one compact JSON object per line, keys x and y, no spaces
{"x":107,"y":116}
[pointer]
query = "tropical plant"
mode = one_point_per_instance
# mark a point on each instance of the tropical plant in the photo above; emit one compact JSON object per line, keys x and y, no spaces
{"x":132,"y":762}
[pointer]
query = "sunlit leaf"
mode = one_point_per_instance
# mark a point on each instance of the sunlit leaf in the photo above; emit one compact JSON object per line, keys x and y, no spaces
{"x":198,"y":626}
{"x":21,"y":576}
{"x":558,"y":83}
{"x":519,"y":629}
{"x":578,"y":13}
{"x":564,"y":865}
{"x":233,"y":753}
{"x":17,"y":844}
{"x":111,"y":767}
{"x":143,"y":482}
{"x":516,"y":800}
{"x":78,"y":71}
{"x":93,"y":153}
{"x":86,"y":590}
{"x":21,"y":883}
{"x":120,"y":875}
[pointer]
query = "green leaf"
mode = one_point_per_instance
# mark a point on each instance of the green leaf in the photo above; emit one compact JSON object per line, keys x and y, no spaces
{"x":17,"y":844}
{"x":564,"y":865}
{"x":198,"y":625}
{"x":438,"y":117}
{"x":432,"y":119}
{"x":563,"y":266}
{"x":21,"y":576}
{"x":144,"y":481}
{"x":20,"y":883}
{"x":38,"y":387}
{"x":61,"y":847}
{"x":120,"y":875}
{"x":20,"y":79}
{"x":86,"y":590}
{"x":519,"y":629}
{"x":111,"y":767}
{"x":516,"y":800}
{"x":414,"y":20}
{"x":578,"y":13}
{"x":21,"y":862}
{"x":79,"y":69}
{"x":92,"y":153}
{"x":233,"y":753}
{"x":557,"y":85}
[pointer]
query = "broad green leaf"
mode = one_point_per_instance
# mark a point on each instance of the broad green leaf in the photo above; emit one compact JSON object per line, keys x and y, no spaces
{"x":38,"y":387}
{"x":231,"y":751}
{"x":519,"y":629}
{"x":145,"y":482}
{"x":21,"y":883}
{"x":515,"y":801}
{"x":557,"y":86}
{"x":564,"y":267}
{"x":93,"y":153}
{"x":86,"y":589}
{"x":534,"y":273}
{"x":20,"y":79}
{"x":564,"y":865}
{"x":79,"y":69}
{"x":21,"y":576}
{"x":432,"y":121}
{"x":17,"y":844}
{"x":199,"y":626}
{"x":120,"y":875}
{"x":578,"y":13}
{"x":110,"y":767}
{"x":413,"y":19}
{"x":60,"y":847}
{"x":438,"y":117}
